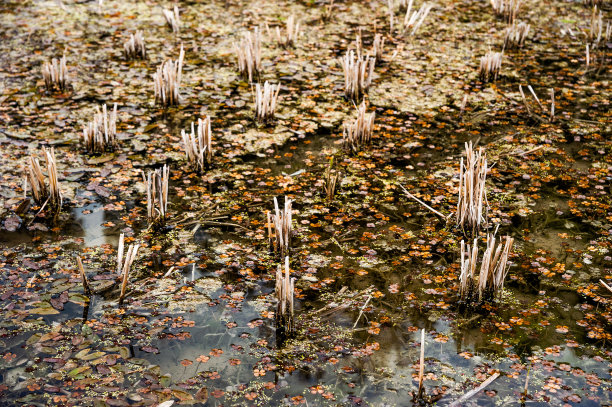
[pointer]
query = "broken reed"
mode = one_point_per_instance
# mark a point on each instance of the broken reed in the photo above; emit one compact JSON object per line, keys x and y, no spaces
{"x":596,"y":26}
{"x":378,"y":47}
{"x":331,"y":180}
{"x":472,"y":200}
{"x":134,"y":48}
{"x":421,"y":365}
{"x":280,"y":240}
{"x":125,"y":264}
{"x":86,"y":288}
{"x":172,"y":19}
{"x":357,"y":74}
{"x":157,"y":195}
{"x":414,"y":19}
{"x":284,"y":289}
{"x":508,"y":9}
{"x":198,"y":145}
{"x":515,"y":35}
{"x":42,"y":193}
{"x":289,"y":36}
{"x":489,"y":281}
{"x":328,"y":11}
{"x":248,"y":52}
{"x":266,"y":99}
{"x":100,"y":134}
{"x":490,"y":66}
{"x":55,"y":74}
{"x":167,"y":81}
{"x":358,"y":133}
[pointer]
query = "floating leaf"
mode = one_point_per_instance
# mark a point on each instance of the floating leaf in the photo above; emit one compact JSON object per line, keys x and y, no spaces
{"x":182,"y":395}
{"x":79,"y":372}
{"x":79,"y":299}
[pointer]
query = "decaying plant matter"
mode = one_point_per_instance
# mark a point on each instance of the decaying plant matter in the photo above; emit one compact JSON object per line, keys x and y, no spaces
{"x":484,"y":278}
{"x":284,"y":289}
{"x":357,"y":74}
{"x":280,"y":240}
{"x":134,"y":48}
{"x":490,"y":66}
{"x":515,"y":35}
{"x":198,"y":145}
{"x":167,"y":81}
{"x":45,"y":193}
{"x":100,"y":134}
{"x":248,"y":52}
{"x":55,"y":74}
{"x":266,"y":99}
{"x":172,"y":19}
{"x":157,"y":195}
{"x":472,"y":202}
{"x":358,"y":133}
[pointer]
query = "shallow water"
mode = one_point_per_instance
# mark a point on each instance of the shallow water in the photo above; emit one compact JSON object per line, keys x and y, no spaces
{"x":197,"y":325}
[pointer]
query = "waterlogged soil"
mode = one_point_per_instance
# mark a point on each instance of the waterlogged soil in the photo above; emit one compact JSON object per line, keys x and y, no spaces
{"x":372,"y":266}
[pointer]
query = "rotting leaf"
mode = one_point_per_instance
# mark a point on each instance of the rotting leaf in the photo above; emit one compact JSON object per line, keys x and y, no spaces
{"x":79,"y":372}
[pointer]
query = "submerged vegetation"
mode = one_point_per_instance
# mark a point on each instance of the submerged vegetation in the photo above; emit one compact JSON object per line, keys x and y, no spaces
{"x":365,"y":207}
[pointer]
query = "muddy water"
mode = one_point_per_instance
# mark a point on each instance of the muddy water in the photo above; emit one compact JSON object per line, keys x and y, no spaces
{"x":372,"y":266}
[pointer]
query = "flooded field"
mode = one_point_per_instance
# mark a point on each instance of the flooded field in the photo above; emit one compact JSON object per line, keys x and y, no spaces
{"x":143,"y":261}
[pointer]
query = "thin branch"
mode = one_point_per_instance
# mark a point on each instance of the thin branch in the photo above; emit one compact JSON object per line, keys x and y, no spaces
{"x":475,"y":391}
{"x":421,"y":202}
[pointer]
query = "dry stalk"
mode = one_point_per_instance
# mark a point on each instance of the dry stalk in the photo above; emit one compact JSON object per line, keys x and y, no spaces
{"x":515,"y":35}
{"x":588,"y":56}
{"x":86,"y":287}
{"x":378,"y":47}
{"x":472,"y":201}
{"x":524,"y":99}
{"x":358,"y":133}
{"x":507,"y":9}
{"x":490,"y":66}
{"x":120,"y":253}
{"x":551,"y":118}
{"x":414,"y":19}
{"x":422,"y":364}
{"x":282,"y":227}
{"x":157,"y":195}
{"x":134,"y":48}
{"x":167,"y":81}
{"x":331,"y":180}
{"x":42,"y":193}
{"x":358,"y":74}
{"x":266,"y":99}
{"x":475,"y":391}
{"x":55,"y":74}
{"x":328,"y":11}
{"x":596,"y":26}
{"x":100,"y":134}
{"x":493,"y":268}
{"x":198,"y":145}
{"x":289,"y":36}
{"x":248,"y":52}
{"x":391,"y":15}
{"x":172,"y":19}
{"x":535,"y":97}
{"x":284,"y":289}
{"x":127,"y":265}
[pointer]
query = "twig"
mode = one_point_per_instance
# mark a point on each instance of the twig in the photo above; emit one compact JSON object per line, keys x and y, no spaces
{"x":422,"y":363}
{"x":361,"y":311}
{"x":606,"y":285}
{"x":83,"y":276}
{"x":475,"y":391}
{"x":421,"y":202}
